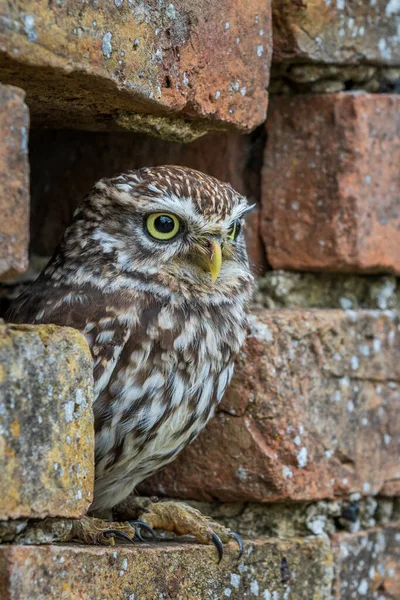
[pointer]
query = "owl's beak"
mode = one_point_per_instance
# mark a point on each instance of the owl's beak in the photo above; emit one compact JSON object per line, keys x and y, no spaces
{"x":212,"y":261}
{"x":215,"y":260}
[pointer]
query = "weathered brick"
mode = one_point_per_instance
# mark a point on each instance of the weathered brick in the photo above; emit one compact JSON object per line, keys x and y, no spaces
{"x":312,"y":413}
{"x":337,"y":32}
{"x":367,"y":564}
{"x":56,"y":154}
{"x":46,"y":424}
{"x":14,"y":182}
{"x":175,"y":70}
{"x":331,"y":183}
{"x":176,"y":571}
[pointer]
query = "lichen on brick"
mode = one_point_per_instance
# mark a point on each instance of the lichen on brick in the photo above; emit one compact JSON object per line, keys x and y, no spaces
{"x":46,"y":422}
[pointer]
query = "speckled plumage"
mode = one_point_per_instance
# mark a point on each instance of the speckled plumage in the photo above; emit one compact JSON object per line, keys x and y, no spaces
{"x":162,"y":335}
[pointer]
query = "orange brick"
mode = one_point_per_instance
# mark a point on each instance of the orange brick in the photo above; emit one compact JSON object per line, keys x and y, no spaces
{"x":331,"y":183}
{"x":337,"y":32}
{"x":312,"y":413}
{"x":165,"y":570}
{"x":174,"y":69}
{"x":14,"y":182}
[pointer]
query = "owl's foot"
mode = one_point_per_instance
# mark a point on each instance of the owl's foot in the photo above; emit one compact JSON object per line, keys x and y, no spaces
{"x":183,"y":519}
{"x":88,"y":530}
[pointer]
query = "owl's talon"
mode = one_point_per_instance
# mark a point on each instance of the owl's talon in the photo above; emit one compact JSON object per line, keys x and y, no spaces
{"x":239,"y":541}
{"x":116,"y":533}
{"x":142,"y":525}
{"x":218,"y":544}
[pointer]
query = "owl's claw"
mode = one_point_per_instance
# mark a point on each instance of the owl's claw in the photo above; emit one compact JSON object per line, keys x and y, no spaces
{"x":239,"y":540}
{"x":139,"y":525}
{"x":118,"y":534}
{"x":218,"y":544}
{"x":182,"y":519}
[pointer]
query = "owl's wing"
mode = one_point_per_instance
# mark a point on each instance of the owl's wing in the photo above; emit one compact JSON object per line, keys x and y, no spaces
{"x":91,"y":312}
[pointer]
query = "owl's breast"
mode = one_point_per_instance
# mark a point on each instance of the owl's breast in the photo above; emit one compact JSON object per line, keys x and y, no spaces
{"x":166,"y":386}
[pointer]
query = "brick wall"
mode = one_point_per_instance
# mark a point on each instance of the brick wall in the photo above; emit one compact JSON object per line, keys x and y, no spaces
{"x":302,"y":457}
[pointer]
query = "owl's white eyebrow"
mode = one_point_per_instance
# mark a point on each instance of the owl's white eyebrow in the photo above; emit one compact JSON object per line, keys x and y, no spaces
{"x":248,"y":209}
{"x":242,"y":212}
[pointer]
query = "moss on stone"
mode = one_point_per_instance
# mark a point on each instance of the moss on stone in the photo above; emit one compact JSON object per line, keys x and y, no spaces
{"x":168,"y":128}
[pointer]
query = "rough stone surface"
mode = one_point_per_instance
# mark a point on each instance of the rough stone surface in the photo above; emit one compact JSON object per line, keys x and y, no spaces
{"x":284,"y":289}
{"x":175,"y":571}
{"x":174,"y":70}
{"x":14,"y":190}
{"x":292,"y":519}
{"x":312,"y":413}
{"x":337,"y":32}
{"x":302,"y":78}
{"x":46,"y":424}
{"x":367,"y":564}
{"x":66,"y":164}
{"x":331,"y":183}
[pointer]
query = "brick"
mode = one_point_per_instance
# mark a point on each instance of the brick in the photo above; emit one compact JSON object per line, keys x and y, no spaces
{"x":337,"y":32}
{"x":56,"y":154}
{"x":178,"y":571}
{"x":46,"y":424}
{"x":312,"y":413}
{"x":175,"y":70}
{"x":367,"y":564}
{"x":14,"y":190}
{"x":330,"y":183}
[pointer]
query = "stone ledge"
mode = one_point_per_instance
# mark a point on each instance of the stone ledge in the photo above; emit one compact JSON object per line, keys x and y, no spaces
{"x":46,"y":422}
{"x":174,"y":70}
{"x":272,"y":568}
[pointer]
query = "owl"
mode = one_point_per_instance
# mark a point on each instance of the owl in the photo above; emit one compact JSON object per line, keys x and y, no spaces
{"x":153,"y":271}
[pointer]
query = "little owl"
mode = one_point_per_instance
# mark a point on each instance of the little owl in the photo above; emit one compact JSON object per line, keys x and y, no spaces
{"x":153,"y":271}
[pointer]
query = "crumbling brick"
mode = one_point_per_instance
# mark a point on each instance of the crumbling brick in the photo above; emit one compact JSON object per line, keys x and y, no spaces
{"x":330,"y":185}
{"x":174,"y":70}
{"x":14,"y":182}
{"x":312,"y":413}
{"x":46,"y":423}
{"x":337,"y":32}
{"x":268,"y":569}
{"x":367,"y":564}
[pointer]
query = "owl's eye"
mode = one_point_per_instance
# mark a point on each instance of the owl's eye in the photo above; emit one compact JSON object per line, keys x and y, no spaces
{"x":163,"y":226}
{"x":234,"y":230}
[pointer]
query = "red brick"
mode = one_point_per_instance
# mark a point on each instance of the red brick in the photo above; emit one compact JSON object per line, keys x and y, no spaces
{"x":165,"y":570}
{"x":333,"y":32}
{"x":14,"y":182}
{"x":312,"y":413}
{"x":331,"y":183}
{"x":367,"y":564}
{"x":122,"y":65}
{"x":91,"y":156}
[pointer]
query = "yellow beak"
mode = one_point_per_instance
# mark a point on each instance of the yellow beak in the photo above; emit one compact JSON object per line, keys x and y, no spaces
{"x":213,"y":261}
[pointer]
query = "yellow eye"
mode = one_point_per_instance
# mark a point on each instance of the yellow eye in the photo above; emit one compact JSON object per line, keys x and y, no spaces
{"x":163,"y":226}
{"x":234,"y":230}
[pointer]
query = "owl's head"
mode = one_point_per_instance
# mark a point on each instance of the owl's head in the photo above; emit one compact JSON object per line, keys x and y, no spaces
{"x":172,"y":225}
